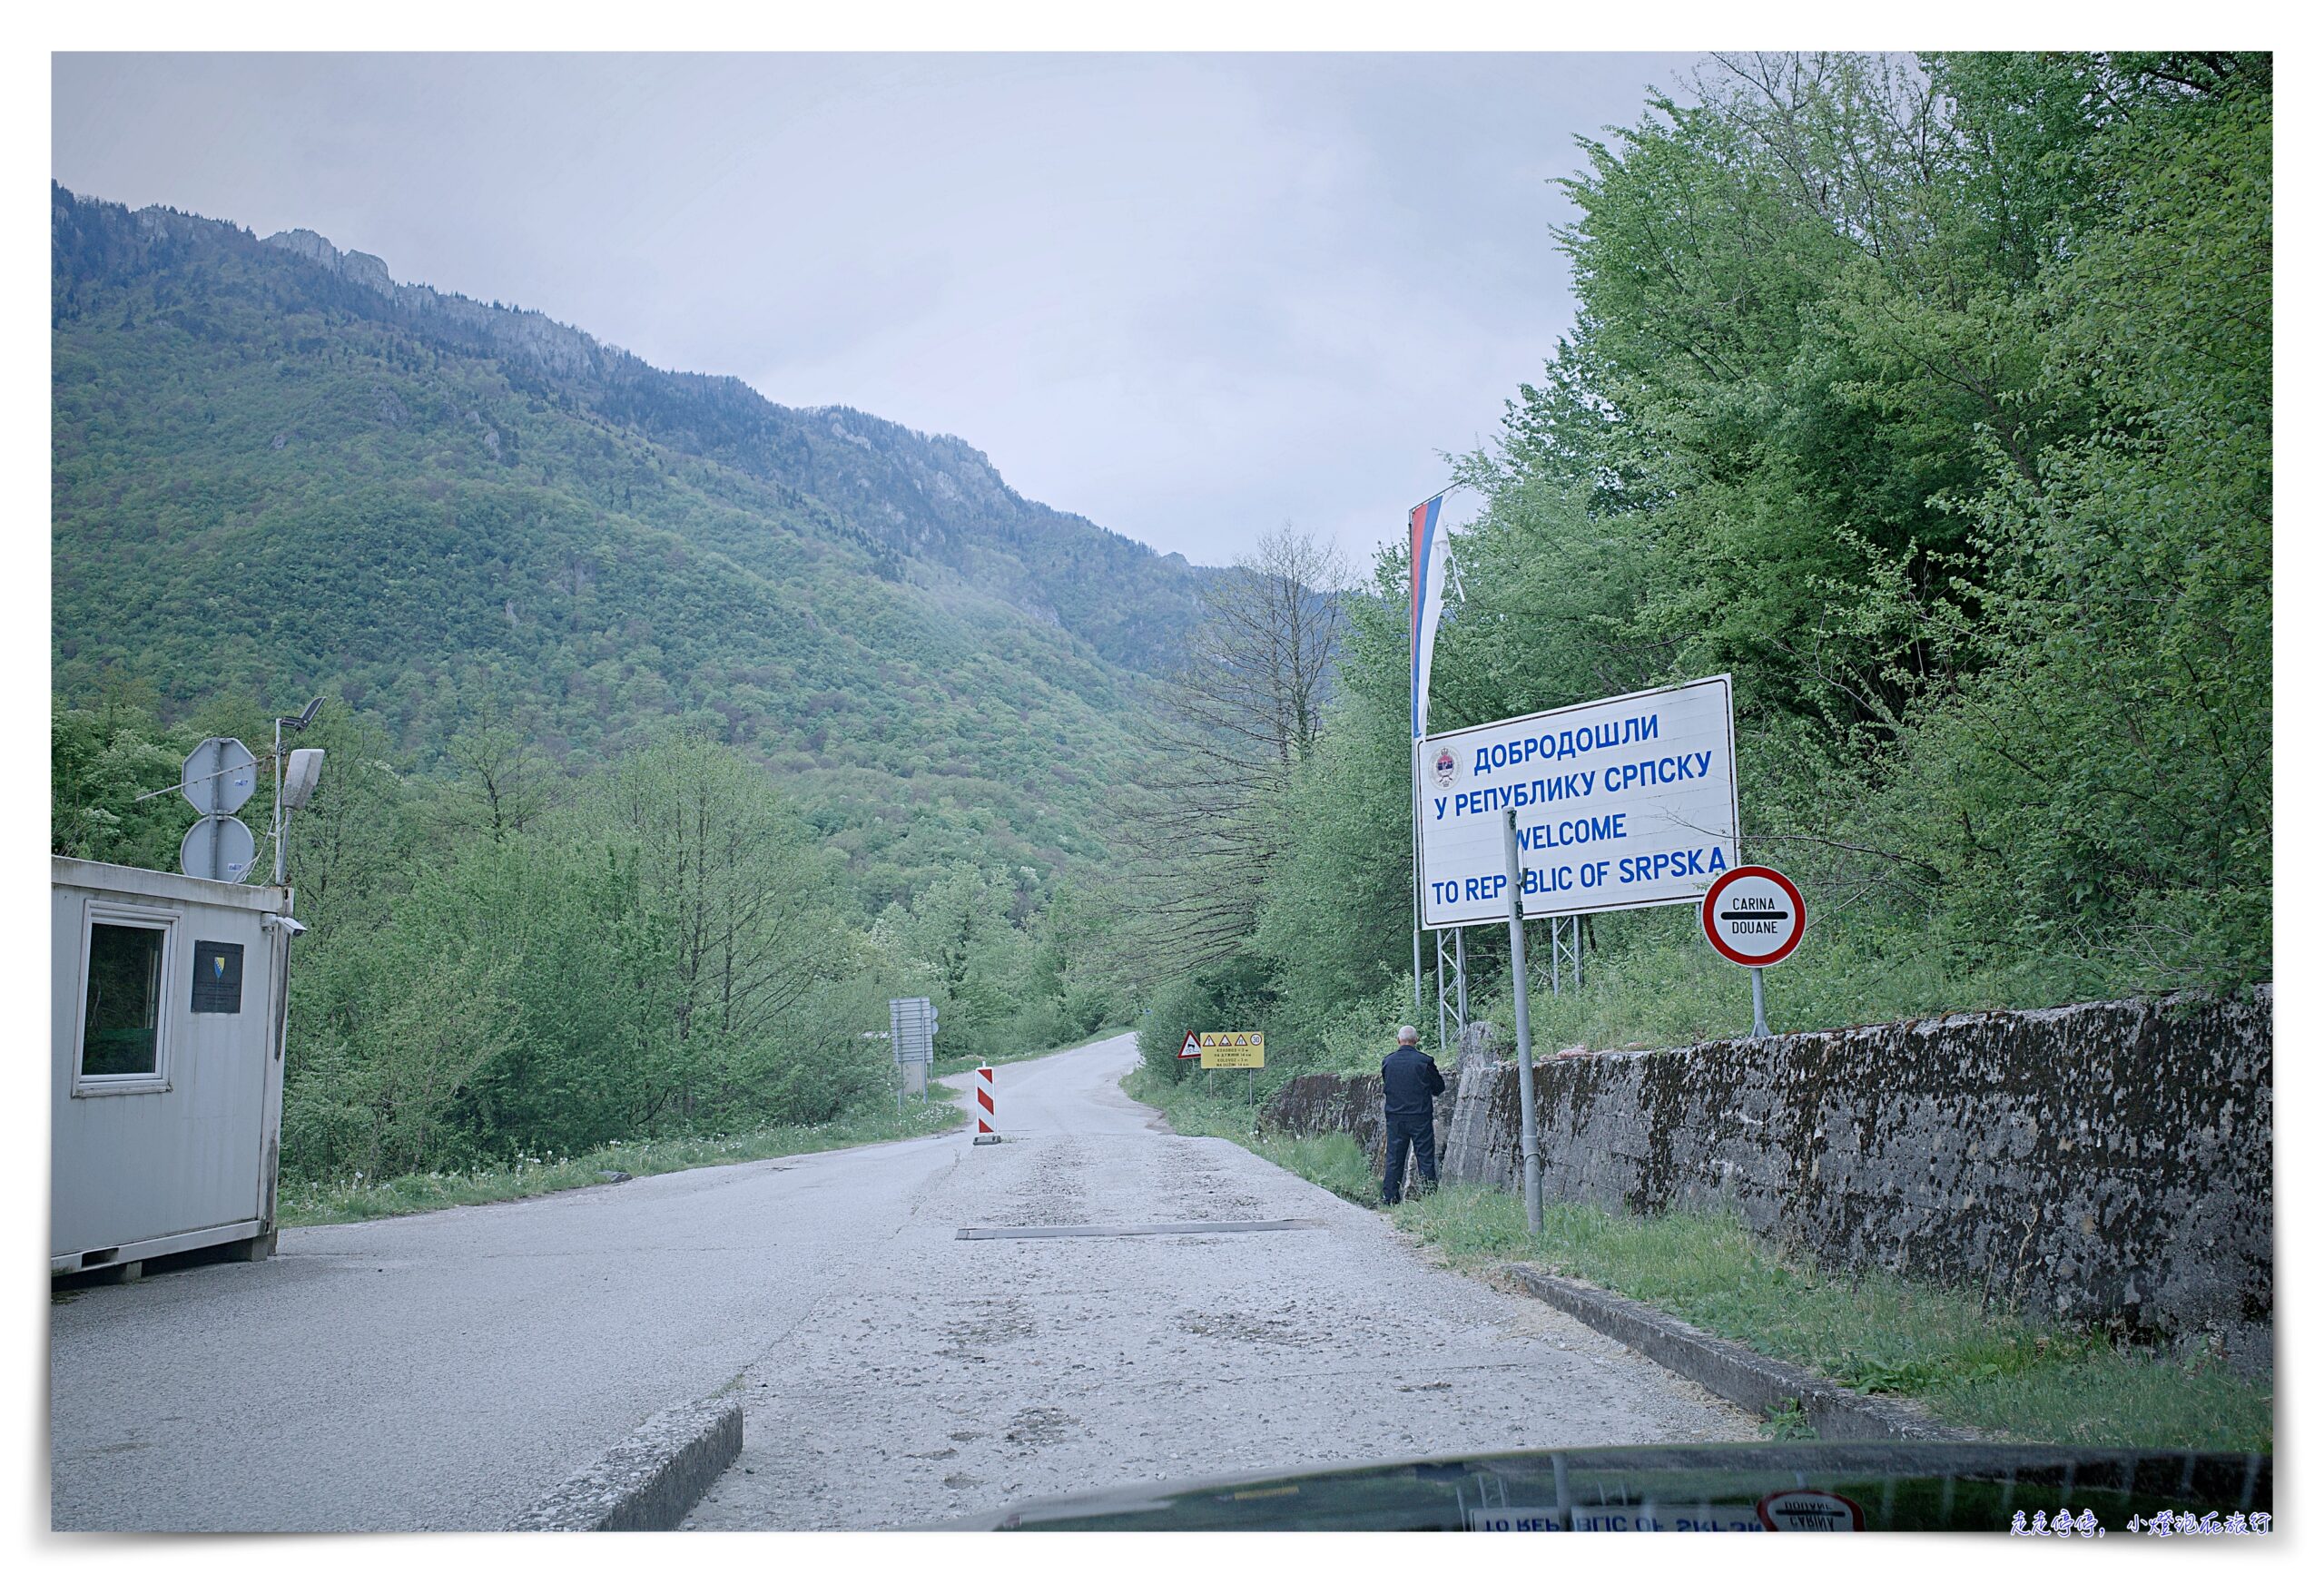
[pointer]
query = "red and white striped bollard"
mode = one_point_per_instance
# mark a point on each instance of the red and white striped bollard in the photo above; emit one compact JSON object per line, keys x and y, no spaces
{"x":987,"y":1133}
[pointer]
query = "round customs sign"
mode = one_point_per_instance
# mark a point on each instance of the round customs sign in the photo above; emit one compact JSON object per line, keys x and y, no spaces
{"x":1810,"y":1511}
{"x":1754,"y":916}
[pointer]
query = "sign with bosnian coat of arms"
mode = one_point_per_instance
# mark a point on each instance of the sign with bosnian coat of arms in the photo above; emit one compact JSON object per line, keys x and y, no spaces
{"x":218,"y":976}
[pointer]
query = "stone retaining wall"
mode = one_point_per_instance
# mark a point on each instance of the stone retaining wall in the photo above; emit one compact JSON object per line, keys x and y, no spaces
{"x":2109,"y":1163}
{"x":1323,"y":1102}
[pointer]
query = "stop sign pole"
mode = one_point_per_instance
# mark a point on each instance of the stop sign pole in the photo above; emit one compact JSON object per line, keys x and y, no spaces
{"x":1753,"y":917}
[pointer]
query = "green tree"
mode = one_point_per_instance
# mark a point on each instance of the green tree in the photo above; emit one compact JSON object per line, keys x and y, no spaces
{"x":1932,"y":399}
{"x":747,"y":908}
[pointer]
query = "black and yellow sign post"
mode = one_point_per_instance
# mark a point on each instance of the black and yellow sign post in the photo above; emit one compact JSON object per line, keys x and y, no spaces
{"x":1242,"y":1051}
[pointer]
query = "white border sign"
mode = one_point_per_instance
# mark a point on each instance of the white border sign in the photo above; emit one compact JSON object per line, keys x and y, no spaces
{"x":1624,"y":802}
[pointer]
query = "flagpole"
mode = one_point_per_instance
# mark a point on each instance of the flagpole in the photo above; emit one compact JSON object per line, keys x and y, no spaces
{"x":1419,"y":916}
{"x":1420,"y":711}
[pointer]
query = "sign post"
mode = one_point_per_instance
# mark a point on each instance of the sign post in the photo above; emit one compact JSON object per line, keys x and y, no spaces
{"x":1754,"y":918}
{"x":218,"y":777}
{"x":1246,"y":1051}
{"x":911,"y":1026}
{"x":1528,"y":1133}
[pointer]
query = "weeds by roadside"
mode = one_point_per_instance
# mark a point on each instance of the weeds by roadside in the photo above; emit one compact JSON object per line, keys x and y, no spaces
{"x":1333,"y":1160}
{"x":1200,"y":1110}
{"x":328,"y":1202}
{"x":1790,"y":1422}
{"x":1875,"y":1331}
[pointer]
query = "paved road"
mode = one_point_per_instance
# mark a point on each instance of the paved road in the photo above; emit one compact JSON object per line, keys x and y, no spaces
{"x":953,"y":1376}
{"x":445,"y":1369}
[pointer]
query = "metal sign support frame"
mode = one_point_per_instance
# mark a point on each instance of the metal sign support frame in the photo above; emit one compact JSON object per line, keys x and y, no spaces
{"x":1452,"y":994}
{"x":1565,"y":952}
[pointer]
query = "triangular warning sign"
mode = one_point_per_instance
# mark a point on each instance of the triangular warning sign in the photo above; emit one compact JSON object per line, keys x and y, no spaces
{"x":1192,"y":1047}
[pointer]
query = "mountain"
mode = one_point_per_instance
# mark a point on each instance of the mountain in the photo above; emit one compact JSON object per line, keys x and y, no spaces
{"x":277,"y":471}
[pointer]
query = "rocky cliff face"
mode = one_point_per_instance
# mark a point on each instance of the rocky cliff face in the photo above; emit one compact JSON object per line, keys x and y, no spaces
{"x":533,"y":338}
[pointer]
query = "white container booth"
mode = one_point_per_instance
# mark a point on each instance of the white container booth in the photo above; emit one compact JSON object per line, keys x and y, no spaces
{"x":166,"y":1015}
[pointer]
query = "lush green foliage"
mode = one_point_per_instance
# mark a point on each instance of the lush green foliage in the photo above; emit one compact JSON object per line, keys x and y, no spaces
{"x":1231,"y":995}
{"x":1932,"y":400}
{"x":507,"y":963}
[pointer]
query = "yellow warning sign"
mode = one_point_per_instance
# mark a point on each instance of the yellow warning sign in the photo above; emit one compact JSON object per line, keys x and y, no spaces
{"x":1234,"y":1050}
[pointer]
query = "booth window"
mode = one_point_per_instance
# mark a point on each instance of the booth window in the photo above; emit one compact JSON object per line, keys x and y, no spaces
{"x":121,"y":1016}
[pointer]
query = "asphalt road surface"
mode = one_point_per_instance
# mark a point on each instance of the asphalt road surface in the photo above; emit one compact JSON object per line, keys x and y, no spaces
{"x":444,"y":1370}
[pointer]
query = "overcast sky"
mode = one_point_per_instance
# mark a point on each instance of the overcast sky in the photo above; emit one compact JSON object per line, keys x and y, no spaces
{"x":1188,"y":297}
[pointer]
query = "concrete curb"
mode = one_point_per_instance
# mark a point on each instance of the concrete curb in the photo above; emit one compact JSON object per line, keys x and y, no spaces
{"x":651,"y":1480}
{"x":1730,"y":1369}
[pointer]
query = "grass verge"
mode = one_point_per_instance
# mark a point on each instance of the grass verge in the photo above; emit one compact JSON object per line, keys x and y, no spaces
{"x":331,"y":1203}
{"x":1197,"y":1109}
{"x":1987,"y":1370}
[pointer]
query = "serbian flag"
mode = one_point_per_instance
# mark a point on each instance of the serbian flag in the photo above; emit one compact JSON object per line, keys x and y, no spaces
{"x":1431,"y":554}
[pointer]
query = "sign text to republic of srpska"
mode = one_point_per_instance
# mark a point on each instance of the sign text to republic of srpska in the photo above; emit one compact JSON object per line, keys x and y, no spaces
{"x":1623,"y":802}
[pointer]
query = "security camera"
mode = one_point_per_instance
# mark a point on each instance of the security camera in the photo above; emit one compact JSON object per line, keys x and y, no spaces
{"x":283,"y":921}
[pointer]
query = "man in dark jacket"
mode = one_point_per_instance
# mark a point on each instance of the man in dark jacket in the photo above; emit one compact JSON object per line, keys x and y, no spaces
{"x":1409,"y":1083}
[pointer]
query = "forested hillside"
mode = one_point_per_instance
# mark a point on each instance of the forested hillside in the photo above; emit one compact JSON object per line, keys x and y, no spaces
{"x":670,"y":731}
{"x":277,"y":472}
{"x":1932,"y":399}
